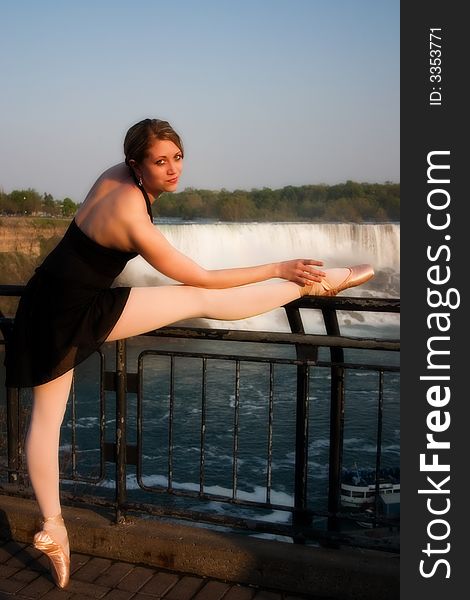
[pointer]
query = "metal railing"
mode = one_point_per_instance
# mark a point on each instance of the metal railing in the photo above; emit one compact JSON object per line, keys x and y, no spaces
{"x":306,"y":523}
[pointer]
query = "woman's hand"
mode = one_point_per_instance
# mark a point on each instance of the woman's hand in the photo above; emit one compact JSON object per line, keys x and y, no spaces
{"x":301,"y":271}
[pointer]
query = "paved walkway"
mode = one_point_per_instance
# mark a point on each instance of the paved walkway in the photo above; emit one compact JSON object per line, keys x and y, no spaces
{"x":24,"y":574}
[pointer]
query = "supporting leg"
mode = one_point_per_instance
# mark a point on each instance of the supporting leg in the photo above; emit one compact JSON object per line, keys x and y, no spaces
{"x":42,"y":450}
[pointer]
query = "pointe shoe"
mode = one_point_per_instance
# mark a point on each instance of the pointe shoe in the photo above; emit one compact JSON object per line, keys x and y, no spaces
{"x":358,"y":274}
{"x":59,"y":559}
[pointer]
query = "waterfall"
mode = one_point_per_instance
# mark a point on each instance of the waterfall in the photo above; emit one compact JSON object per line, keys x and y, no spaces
{"x":225,"y":245}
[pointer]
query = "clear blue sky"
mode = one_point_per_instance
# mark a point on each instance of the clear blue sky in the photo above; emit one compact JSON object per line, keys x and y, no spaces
{"x":263,"y":92}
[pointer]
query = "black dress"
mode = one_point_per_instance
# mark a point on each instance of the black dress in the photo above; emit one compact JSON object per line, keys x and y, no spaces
{"x":67,"y":310}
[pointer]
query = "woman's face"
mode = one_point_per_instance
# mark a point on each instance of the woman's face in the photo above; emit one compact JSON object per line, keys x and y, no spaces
{"x":161,"y":168}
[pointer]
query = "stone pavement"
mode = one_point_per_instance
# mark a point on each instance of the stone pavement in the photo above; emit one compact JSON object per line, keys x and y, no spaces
{"x":151,"y":558}
{"x":24,"y":575}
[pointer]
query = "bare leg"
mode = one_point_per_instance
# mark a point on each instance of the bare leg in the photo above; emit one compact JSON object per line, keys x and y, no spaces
{"x":42,"y":449}
{"x":149,"y":308}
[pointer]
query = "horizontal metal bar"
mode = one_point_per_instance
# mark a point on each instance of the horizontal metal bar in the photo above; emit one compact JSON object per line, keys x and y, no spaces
{"x":110,"y":453}
{"x":110,"y":382}
{"x":265,"y":359}
{"x":12,"y":290}
{"x":62,"y":477}
{"x":352,"y":303}
{"x":271,"y":337}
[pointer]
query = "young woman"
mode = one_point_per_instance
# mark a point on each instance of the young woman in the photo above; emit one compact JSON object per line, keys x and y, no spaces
{"x":69,"y":307}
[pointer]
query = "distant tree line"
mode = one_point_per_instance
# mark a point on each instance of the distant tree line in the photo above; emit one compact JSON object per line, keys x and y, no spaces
{"x":30,"y":202}
{"x":350,"y":201}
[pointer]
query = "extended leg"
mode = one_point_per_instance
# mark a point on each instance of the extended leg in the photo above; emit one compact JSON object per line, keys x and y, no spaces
{"x":149,"y":308}
{"x":42,"y":449}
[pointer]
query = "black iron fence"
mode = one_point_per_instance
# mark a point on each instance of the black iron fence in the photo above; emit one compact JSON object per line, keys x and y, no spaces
{"x":302,"y":365}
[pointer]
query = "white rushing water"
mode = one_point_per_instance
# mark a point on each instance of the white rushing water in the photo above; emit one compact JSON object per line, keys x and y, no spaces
{"x":225,"y":245}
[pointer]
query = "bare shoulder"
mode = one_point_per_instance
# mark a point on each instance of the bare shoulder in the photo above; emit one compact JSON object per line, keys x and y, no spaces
{"x":111,"y":179}
{"x":124,"y":208}
{"x":119,"y":173}
{"x":114,"y":190}
{"x":112,"y":208}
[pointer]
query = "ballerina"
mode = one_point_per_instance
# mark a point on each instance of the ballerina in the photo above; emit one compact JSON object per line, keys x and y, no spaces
{"x":69,"y":307}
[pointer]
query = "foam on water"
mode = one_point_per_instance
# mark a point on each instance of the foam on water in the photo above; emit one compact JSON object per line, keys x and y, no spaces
{"x":255,"y":494}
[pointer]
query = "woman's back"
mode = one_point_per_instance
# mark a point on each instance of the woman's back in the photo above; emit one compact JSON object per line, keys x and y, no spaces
{"x":112,"y":203}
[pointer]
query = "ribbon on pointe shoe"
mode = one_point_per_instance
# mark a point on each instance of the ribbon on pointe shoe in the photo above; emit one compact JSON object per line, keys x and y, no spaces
{"x":358,"y":274}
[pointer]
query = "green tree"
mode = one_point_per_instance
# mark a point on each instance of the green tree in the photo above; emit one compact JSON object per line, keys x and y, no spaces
{"x":192,"y":207}
{"x":68,"y":207}
{"x":26,"y":202}
{"x":349,"y":201}
{"x":50,"y":206}
{"x":342,"y":209}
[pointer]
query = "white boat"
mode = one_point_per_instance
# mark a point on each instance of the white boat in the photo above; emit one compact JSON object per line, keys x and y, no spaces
{"x":358,"y":486}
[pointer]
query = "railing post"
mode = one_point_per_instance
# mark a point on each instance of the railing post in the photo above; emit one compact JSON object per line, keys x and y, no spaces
{"x":336,"y":421}
{"x":121,"y":418}
{"x":13,"y":413}
{"x":301,"y":515}
{"x":13,"y":434}
{"x":380,"y":407}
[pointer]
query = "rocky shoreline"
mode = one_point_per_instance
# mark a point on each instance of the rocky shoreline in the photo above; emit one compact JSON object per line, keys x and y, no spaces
{"x":24,"y":242}
{"x":29,"y":235}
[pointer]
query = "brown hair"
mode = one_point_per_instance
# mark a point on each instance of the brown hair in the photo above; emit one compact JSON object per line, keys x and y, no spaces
{"x":140,"y":136}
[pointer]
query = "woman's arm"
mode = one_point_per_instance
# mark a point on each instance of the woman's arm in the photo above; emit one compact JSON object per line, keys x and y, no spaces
{"x":152,"y":245}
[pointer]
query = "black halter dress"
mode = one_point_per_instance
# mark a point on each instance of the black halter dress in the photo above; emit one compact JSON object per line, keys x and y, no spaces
{"x":67,"y":310}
